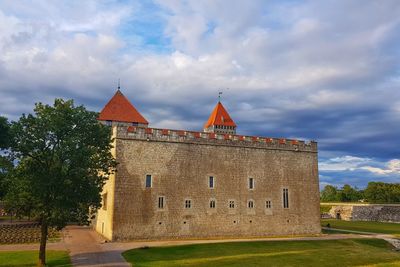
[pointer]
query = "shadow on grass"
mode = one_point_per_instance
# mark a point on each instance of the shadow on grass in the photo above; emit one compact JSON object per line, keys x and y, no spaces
{"x":350,"y":252}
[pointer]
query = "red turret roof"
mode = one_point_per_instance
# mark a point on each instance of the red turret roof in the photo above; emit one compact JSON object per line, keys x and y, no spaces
{"x":120,"y":109}
{"x":219,"y":116}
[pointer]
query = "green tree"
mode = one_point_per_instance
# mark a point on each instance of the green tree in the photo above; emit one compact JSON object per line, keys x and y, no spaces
{"x":349,"y":194}
{"x":64,"y":159}
{"x":329,"y":194}
{"x":379,"y":192}
{"x":5,"y":163}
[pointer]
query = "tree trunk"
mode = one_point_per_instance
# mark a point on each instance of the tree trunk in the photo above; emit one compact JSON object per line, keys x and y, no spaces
{"x":43,"y":240}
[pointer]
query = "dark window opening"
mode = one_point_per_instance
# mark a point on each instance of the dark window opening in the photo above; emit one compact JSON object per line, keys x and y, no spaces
{"x":160,"y":202}
{"x":251,"y":183}
{"x":188,"y":204}
{"x":285,"y":198}
{"x":212,"y":204}
{"x":148,"y":180}
{"x":211,"y":181}
{"x":250,"y":204}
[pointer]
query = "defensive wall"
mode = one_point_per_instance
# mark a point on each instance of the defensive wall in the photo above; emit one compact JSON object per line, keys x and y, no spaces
{"x":366,"y":212}
{"x":182,"y":136}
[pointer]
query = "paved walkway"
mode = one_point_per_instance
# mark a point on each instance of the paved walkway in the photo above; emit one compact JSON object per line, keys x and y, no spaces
{"x":88,"y":249}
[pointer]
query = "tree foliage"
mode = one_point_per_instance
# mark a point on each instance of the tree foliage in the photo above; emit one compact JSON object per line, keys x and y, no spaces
{"x":376,"y":192}
{"x":329,"y":194}
{"x":64,"y":158}
{"x":349,"y":194}
{"x":5,"y":162}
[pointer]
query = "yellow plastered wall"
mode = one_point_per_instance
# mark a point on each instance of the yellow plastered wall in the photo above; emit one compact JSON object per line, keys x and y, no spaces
{"x":104,"y":222}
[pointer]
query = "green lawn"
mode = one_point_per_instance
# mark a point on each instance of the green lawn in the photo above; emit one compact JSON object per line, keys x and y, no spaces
{"x":334,"y":232}
{"x":373,"y":227}
{"x":30,"y":258}
{"x":350,"y":252}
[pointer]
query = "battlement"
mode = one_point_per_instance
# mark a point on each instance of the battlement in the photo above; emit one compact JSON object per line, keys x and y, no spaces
{"x":203,"y":138}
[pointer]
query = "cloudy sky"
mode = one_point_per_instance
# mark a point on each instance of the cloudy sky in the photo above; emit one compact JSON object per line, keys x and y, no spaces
{"x":315,"y":70}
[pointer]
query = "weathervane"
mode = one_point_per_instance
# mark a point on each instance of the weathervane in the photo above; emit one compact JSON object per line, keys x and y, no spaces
{"x":219,"y":96}
{"x":119,"y":85}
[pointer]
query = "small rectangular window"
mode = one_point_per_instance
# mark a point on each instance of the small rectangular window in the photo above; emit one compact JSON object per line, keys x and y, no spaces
{"x":211,"y":181}
{"x":148,"y":180}
{"x":231,"y":204}
{"x":251,"y":183}
{"x":250,"y":204}
{"x":108,"y":123}
{"x":188,"y":204}
{"x":104,"y":202}
{"x":268,"y":204}
{"x":212,"y":204}
{"x":161,"y":201}
{"x":285,"y":198}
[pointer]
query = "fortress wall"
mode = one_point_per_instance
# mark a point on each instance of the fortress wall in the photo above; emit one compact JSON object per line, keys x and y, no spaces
{"x":180,"y":164}
{"x":366,"y":212}
{"x":379,"y":213}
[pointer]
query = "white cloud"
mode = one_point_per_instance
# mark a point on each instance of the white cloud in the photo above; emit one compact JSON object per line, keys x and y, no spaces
{"x":350,"y":163}
{"x":391,"y":167}
{"x":343,"y":163}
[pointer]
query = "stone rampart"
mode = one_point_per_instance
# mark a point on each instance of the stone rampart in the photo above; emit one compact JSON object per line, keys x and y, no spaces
{"x":379,"y":213}
{"x":367,"y":212}
{"x":182,"y":136}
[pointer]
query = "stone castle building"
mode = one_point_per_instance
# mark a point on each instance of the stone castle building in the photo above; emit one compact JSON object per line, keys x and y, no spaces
{"x":211,"y":183}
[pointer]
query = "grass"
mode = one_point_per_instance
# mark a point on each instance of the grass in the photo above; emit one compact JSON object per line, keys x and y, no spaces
{"x":334,"y":232}
{"x":30,"y":258}
{"x":372,"y":227}
{"x":349,"y":252}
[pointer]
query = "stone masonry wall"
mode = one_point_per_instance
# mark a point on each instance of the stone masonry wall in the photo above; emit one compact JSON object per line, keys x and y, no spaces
{"x":180,"y":163}
{"x":366,"y":212}
{"x":342,"y":212}
{"x":379,"y":213}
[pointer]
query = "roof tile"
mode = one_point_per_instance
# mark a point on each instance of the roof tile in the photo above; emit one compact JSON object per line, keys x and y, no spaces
{"x":220,"y":117}
{"x":120,"y":109}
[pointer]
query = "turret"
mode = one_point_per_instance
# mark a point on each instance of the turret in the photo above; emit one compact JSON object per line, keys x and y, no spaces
{"x":119,"y":111}
{"x":220,"y":121}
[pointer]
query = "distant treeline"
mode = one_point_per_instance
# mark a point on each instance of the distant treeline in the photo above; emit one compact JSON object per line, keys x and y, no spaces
{"x":376,"y":192}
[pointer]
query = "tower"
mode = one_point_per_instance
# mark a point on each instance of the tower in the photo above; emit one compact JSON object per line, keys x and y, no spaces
{"x":220,"y":121}
{"x":119,"y":111}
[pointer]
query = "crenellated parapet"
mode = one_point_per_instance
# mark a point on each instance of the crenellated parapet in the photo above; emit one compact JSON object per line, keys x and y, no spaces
{"x":203,"y":138}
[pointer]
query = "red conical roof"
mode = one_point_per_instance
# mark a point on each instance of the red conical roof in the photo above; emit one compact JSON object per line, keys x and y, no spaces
{"x":120,"y":109}
{"x":219,"y":116}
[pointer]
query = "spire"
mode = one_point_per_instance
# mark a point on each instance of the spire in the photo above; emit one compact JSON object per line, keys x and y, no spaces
{"x":119,"y":84}
{"x":119,"y":109}
{"x":220,"y":121}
